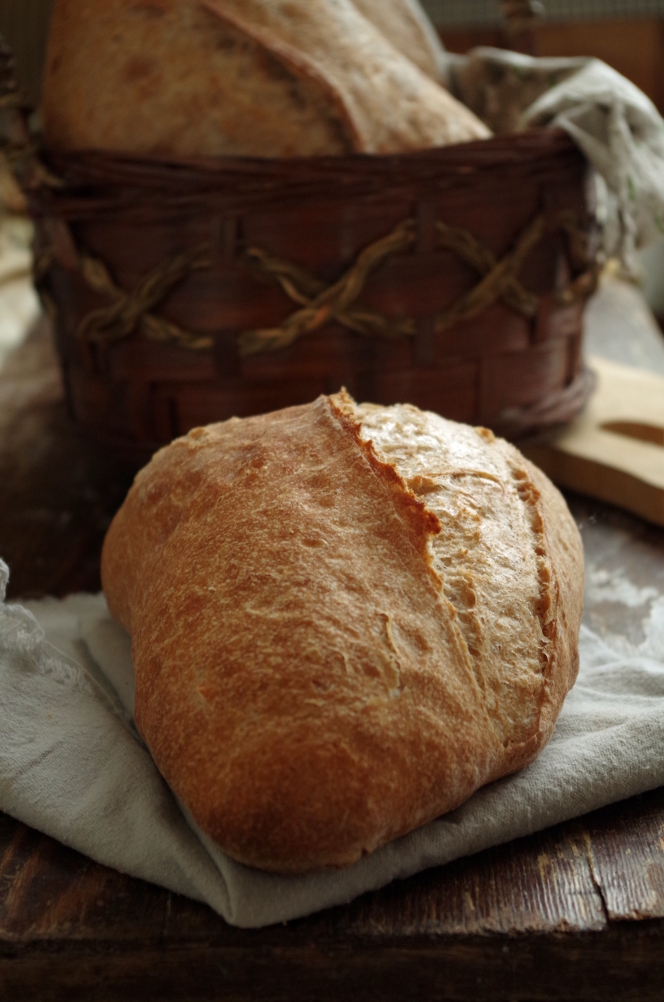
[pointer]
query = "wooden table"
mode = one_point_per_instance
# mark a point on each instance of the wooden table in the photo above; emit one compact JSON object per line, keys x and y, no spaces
{"x":576,"y":912}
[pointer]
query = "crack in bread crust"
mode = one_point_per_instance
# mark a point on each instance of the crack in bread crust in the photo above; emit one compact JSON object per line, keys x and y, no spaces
{"x":545,"y":609}
{"x":498,"y":586}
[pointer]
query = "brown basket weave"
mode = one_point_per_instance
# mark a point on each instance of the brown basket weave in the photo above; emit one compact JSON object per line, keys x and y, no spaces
{"x":187,"y":292}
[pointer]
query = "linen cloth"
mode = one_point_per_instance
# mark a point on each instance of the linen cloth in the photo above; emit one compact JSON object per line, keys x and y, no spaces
{"x":73,"y":766}
{"x":614,"y":124}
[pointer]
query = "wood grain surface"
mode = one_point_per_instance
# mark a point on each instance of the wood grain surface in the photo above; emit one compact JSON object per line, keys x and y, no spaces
{"x":574,"y":912}
{"x":533,"y":919}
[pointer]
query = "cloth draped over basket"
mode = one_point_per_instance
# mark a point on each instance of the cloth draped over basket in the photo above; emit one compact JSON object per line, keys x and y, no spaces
{"x":615,"y":124}
{"x":187,"y":292}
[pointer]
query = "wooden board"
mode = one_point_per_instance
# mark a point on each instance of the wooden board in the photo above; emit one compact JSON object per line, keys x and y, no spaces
{"x":615,"y":450}
{"x":539,"y":918}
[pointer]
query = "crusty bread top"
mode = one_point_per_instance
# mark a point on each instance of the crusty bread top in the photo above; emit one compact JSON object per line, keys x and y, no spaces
{"x":268,"y":78}
{"x":344,"y":621}
{"x":517,"y":605}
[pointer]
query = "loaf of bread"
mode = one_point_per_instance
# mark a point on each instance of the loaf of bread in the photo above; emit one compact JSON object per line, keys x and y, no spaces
{"x":345,"y":620}
{"x":265,"y":78}
{"x":407,"y":27}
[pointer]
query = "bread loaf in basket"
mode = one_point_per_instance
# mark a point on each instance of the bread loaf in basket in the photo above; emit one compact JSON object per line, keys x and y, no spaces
{"x":187,"y":289}
{"x":268,"y":78}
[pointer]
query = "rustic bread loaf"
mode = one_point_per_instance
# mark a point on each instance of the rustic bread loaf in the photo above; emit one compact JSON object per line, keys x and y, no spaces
{"x":407,"y":27}
{"x":345,"y":619}
{"x":268,"y":78}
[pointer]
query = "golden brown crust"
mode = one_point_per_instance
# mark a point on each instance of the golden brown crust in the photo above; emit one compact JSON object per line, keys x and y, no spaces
{"x":305,"y":681}
{"x":155,"y":78}
{"x":237,"y":77}
{"x":565,"y":555}
{"x":510,"y":561}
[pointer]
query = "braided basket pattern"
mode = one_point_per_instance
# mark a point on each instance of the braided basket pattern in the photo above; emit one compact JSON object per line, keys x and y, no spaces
{"x":186,"y":292}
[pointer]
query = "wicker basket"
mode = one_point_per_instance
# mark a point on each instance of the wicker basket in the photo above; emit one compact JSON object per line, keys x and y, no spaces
{"x":186,"y":292}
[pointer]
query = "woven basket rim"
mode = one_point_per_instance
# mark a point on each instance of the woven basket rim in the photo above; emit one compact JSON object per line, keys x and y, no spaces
{"x":94,"y":184}
{"x":84,"y":166}
{"x":105,"y":196}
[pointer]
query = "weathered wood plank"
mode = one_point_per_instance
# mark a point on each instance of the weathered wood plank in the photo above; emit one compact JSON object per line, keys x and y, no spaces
{"x":626,"y":850}
{"x":51,"y":893}
{"x":69,"y":928}
{"x":542,"y":884}
{"x":618,"y":965}
{"x":537,"y":885}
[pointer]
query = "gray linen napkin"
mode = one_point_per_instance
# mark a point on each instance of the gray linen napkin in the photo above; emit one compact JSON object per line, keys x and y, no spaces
{"x":73,"y":766}
{"x":612,"y":122}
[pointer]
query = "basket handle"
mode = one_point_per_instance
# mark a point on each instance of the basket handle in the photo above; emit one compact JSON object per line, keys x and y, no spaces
{"x":521,"y":17}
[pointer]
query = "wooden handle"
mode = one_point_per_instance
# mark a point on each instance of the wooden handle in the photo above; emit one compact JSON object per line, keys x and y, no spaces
{"x":521,"y":15}
{"x":615,"y":450}
{"x":521,"y":18}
